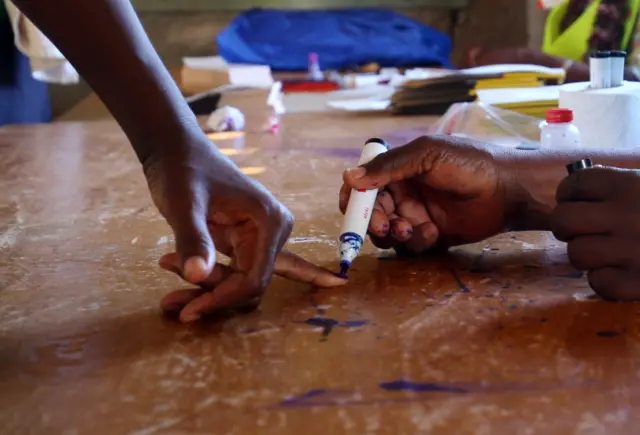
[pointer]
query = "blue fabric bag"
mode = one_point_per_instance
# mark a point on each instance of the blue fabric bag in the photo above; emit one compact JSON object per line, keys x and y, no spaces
{"x":342,"y":38}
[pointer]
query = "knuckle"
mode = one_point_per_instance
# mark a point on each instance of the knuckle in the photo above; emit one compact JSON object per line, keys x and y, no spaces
{"x":257,"y":286}
{"x":275,"y":213}
{"x":564,"y":189}
{"x":598,"y":283}
{"x":606,"y":283}
{"x":577,"y":255}
{"x":628,"y":252}
{"x":408,"y":206}
{"x":625,"y":221}
{"x":560,"y":223}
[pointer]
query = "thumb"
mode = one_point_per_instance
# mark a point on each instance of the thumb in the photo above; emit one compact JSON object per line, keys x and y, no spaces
{"x":395,"y":165}
{"x":194,"y":246}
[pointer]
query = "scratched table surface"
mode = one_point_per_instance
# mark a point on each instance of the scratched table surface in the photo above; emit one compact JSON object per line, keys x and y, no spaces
{"x":501,"y":337}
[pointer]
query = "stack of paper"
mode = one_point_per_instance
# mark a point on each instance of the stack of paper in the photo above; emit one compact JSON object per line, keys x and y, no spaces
{"x":201,"y":74}
{"x":517,"y":76}
{"x":435,"y":95}
{"x":528,"y":101}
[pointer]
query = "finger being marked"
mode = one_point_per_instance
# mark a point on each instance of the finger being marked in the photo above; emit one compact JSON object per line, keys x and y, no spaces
{"x":293,"y":267}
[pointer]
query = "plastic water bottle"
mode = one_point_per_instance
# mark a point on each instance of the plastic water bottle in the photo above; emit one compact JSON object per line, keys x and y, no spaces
{"x":558,"y":131}
{"x":315,"y":73}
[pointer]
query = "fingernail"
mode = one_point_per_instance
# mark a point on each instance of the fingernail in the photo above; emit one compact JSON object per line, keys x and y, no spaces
{"x":189,"y":318}
{"x":194,"y":269}
{"x":357,"y":173}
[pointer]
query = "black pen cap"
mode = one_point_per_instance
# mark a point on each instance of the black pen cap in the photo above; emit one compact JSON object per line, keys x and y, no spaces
{"x":618,"y":53}
{"x":378,"y":140}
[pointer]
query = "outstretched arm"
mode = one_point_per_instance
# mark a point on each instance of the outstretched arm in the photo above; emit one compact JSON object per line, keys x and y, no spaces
{"x":202,"y":194}
{"x":108,"y":46}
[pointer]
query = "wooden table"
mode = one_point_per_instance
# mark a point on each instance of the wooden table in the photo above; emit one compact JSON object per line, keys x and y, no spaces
{"x":502,"y":337}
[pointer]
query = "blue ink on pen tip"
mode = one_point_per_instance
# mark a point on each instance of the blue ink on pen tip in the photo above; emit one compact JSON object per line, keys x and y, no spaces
{"x":344,"y":268}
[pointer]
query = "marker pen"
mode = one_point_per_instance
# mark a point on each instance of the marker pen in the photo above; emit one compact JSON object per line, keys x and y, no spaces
{"x":359,"y":210}
{"x":617,"y":67}
{"x":600,"y":69}
{"x":579,"y":165}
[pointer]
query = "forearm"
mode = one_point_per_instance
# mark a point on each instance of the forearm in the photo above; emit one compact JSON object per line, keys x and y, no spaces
{"x":534,"y":177}
{"x":106,"y":43}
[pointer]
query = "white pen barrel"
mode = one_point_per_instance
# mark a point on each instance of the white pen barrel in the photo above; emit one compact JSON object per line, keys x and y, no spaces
{"x":359,"y":210}
{"x":360,"y":206}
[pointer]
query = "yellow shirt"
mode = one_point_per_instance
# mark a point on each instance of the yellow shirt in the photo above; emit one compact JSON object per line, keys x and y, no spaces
{"x":634,"y":59}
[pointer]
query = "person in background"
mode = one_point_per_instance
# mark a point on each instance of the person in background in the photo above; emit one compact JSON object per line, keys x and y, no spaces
{"x":23,"y":100}
{"x":208,"y":202}
{"x":442,"y":191}
{"x":573,"y":30}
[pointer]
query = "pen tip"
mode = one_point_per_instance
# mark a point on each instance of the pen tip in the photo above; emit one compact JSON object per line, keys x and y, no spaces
{"x":344,"y":268}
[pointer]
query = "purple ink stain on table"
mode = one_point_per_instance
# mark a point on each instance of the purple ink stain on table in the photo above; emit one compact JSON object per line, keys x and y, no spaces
{"x":354,"y":323}
{"x":345,"y":153}
{"x":328,"y":324}
{"x":461,"y":284}
{"x":296,"y":400}
{"x":404,"y":385}
{"x":322,"y":322}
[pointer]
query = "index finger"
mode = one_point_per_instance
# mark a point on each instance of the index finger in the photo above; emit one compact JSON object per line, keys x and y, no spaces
{"x":394,"y":165}
{"x":344,"y":195}
{"x":593,"y":184}
{"x":237,"y":288}
{"x":293,"y":267}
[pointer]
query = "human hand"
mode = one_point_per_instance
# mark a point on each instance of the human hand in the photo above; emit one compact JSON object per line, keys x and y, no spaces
{"x":599,"y":218}
{"x":434,"y":191}
{"x":199,"y":300}
{"x":211,"y":205}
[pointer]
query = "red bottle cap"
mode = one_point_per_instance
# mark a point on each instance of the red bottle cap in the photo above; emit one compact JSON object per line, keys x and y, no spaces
{"x":558,"y":116}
